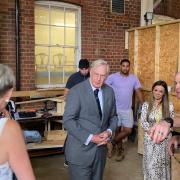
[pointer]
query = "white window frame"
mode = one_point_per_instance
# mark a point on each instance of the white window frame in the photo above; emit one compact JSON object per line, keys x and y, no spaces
{"x":78,"y":36}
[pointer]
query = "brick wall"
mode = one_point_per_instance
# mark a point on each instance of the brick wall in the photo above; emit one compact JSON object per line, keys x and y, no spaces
{"x":26,"y":37}
{"x":7,"y":33}
{"x":169,"y":8}
{"x":103,"y":34}
{"x":27,"y":42}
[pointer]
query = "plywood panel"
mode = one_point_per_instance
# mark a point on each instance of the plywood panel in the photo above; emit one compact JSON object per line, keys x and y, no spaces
{"x":169,"y":48}
{"x":158,"y":56}
{"x":175,"y":166}
{"x":176,"y":103}
{"x":146,"y":56}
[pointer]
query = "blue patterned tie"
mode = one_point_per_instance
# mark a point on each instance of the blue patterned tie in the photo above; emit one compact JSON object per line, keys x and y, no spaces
{"x":98,"y":102}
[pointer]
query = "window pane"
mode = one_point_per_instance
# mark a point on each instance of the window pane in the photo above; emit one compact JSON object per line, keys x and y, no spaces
{"x":41,"y":15}
{"x":41,"y":34}
{"x":57,"y":35}
{"x":68,"y":70}
{"x":56,"y":56}
{"x":56,"y":29}
{"x":56,"y":77}
{"x":70,"y":18}
{"x":41,"y":65}
{"x":41,"y":56}
{"x":57,"y":16}
{"x":56,"y":63}
{"x":69,"y":56}
{"x":70,"y":36}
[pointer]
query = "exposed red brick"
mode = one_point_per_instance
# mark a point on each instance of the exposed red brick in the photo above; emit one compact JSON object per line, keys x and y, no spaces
{"x":102,"y":34}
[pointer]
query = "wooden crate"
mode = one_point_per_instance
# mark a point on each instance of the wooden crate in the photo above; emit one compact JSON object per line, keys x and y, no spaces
{"x":55,"y":135}
{"x":175,"y":167}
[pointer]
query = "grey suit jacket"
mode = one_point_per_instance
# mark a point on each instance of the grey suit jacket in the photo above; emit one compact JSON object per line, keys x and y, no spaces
{"x":81,"y":118}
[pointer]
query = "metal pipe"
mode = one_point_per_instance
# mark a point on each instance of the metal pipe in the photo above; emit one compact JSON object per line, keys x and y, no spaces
{"x":17,"y":47}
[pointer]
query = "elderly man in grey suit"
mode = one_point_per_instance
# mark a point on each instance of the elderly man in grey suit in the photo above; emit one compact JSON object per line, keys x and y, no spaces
{"x":89,"y":117}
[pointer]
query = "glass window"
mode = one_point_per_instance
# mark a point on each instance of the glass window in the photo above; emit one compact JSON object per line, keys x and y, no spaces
{"x":57,"y":42}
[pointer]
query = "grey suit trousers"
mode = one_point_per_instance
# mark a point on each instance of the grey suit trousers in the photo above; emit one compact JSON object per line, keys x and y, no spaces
{"x":92,"y":172}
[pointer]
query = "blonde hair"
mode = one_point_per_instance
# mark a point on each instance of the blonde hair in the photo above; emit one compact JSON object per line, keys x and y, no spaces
{"x":7,"y":79}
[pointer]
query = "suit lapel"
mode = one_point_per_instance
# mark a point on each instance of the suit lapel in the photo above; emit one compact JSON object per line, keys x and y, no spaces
{"x":92,"y":99}
{"x":104,"y":95}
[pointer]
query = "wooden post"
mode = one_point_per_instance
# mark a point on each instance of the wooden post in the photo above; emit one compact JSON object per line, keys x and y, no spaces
{"x":178,"y":63}
{"x":126,"y":39}
{"x":136,"y":52}
{"x":157,"y":52}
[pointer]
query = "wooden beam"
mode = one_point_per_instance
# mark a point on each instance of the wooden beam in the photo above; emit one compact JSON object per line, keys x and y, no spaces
{"x":46,"y":144}
{"x":157,"y":53}
{"x":178,"y":63}
{"x":126,"y":39}
{"x":39,"y":93}
{"x":57,"y":99}
{"x":159,"y":24}
{"x":136,"y":52}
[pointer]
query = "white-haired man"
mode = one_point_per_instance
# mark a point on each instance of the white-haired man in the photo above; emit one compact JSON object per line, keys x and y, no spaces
{"x":89,"y":117}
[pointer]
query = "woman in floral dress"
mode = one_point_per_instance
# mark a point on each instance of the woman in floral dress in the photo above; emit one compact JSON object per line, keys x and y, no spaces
{"x":156,"y":160}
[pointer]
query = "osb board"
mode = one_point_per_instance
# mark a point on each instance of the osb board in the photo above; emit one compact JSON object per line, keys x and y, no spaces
{"x":146,"y":56}
{"x":131,"y":50}
{"x":146,"y":95}
{"x":175,"y":167}
{"x":169,"y":51}
{"x":176,"y":103}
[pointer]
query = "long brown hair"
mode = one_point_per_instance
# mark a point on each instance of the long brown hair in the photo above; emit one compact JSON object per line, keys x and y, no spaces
{"x":165,"y":99}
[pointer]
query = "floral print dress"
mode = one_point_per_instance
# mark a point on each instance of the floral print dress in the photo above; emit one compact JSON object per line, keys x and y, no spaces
{"x":156,"y":160}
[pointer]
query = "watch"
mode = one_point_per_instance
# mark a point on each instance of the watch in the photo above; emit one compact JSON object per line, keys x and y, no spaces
{"x":169,"y":120}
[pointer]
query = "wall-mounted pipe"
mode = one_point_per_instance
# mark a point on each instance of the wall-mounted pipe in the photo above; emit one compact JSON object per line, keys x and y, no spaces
{"x":17,"y":47}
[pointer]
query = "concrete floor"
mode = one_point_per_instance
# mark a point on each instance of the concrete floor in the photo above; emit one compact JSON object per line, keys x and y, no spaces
{"x":51,"y":167}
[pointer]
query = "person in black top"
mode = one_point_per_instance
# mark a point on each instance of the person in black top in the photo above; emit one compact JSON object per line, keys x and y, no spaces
{"x":74,"y":79}
{"x":78,"y":77}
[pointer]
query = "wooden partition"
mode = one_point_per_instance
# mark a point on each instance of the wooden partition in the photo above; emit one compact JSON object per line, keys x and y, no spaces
{"x":154,"y":52}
